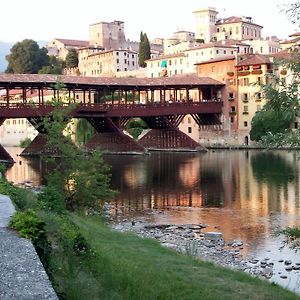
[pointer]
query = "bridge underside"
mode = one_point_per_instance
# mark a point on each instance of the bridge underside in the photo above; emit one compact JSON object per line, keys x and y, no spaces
{"x":169,"y":139}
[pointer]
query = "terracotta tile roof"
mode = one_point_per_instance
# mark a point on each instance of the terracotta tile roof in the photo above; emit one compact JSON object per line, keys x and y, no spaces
{"x":253,"y":59}
{"x":290,"y":41}
{"x":74,"y":43}
{"x":295,"y":34}
{"x":234,"y":19}
{"x":231,"y":57}
{"x":18,"y":80}
{"x":286,"y":54}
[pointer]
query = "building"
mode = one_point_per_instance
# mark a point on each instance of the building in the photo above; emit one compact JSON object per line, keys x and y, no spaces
{"x":94,"y":62}
{"x":242,"y":75}
{"x":209,"y":28}
{"x":60,"y":47}
{"x":267,"y":45}
{"x":184,"y":61}
{"x":108,"y":35}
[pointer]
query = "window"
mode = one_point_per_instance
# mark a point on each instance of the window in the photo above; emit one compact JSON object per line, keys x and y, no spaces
{"x":245,"y":124}
{"x":118,"y":60}
{"x":245,"y":97}
{"x":189,"y":129}
{"x":170,"y":62}
{"x":189,"y":120}
{"x":125,"y":61}
{"x":246,"y":81}
{"x":231,"y":119}
{"x":117,"y":53}
{"x":231,"y":95}
{"x":217,"y":51}
{"x":245,"y":108}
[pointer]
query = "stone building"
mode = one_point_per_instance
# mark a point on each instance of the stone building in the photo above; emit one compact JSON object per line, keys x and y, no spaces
{"x":60,"y":47}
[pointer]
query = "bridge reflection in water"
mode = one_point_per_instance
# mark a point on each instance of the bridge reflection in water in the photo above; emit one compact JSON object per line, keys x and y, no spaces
{"x":161,"y":103}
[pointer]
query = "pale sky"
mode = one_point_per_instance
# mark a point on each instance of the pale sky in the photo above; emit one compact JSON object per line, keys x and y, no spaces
{"x":45,"y":20}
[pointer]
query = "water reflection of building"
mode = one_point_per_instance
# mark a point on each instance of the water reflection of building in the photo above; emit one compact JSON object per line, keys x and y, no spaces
{"x":23,"y":169}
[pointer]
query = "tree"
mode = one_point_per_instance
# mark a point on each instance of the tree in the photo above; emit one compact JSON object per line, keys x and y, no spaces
{"x":83,"y":180}
{"x":55,"y":66}
{"x":271,"y":126}
{"x":72,"y":58}
{"x":144,"y":50}
{"x":26,"y":57}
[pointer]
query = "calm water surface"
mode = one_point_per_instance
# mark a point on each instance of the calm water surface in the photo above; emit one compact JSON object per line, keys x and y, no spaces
{"x":247,"y":195}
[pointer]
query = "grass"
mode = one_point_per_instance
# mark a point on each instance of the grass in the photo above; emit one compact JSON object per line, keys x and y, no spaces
{"x":125,"y":266}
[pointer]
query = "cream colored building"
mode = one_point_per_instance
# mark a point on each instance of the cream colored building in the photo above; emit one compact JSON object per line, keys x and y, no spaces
{"x":267,"y":45}
{"x":106,"y":63}
{"x":184,"y":62}
{"x":210,"y":28}
{"x":61,"y":47}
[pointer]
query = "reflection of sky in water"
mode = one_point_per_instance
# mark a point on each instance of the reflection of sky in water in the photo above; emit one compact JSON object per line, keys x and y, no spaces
{"x":245,"y":194}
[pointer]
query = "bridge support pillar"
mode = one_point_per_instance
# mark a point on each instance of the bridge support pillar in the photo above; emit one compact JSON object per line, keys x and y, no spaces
{"x":36,"y":147}
{"x":169,"y":139}
{"x":114,"y":142}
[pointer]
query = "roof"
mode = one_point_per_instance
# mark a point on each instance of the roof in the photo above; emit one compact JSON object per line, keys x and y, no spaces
{"x":234,"y":19}
{"x":47,"y":80}
{"x":231,"y":57}
{"x":285,"y":54}
{"x":74,"y":43}
{"x":253,"y":59}
{"x":295,"y":40}
{"x":295,"y":34}
{"x":181,"y":54}
{"x":212,"y":45}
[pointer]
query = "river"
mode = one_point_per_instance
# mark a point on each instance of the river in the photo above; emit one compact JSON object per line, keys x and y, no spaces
{"x":247,"y":195}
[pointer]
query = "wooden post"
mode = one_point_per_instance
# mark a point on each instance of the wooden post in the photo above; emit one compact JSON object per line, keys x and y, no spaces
{"x":42,"y":95}
{"x":39,"y":95}
{"x":7,"y":97}
{"x":90,"y":97}
{"x":112,"y":97}
{"x":84,"y":96}
{"x":24,"y":94}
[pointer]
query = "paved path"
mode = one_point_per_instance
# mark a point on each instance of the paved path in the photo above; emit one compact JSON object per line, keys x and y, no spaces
{"x":22,"y":275}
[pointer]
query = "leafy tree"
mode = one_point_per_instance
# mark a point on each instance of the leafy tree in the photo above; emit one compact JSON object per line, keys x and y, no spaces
{"x":283,"y":106}
{"x":72,"y":58}
{"x":144,"y":50}
{"x":55,"y":66}
{"x":83,"y":180}
{"x":26,"y":57}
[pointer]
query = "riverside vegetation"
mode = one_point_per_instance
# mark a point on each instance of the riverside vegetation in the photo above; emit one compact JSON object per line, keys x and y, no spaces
{"x":85,"y":259}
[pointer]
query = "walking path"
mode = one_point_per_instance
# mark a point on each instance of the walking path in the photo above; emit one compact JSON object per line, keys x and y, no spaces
{"x":22,"y":275}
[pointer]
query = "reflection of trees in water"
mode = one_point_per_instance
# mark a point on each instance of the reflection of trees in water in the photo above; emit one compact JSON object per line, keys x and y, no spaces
{"x":272,"y":168}
{"x":211,"y":186}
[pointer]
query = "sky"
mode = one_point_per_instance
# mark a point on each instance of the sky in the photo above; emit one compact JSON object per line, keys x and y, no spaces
{"x":43,"y":21}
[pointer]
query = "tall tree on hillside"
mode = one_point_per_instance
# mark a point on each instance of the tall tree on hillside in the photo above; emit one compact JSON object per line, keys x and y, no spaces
{"x":72,"y":58}
{"x":26,"y":57}
{"x":144,"y":50}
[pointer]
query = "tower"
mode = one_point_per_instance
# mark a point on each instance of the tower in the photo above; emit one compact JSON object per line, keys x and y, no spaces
{"x":205,"y":23}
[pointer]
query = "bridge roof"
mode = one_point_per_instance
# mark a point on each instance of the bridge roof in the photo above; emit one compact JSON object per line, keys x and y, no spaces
{"x":81,"y":82}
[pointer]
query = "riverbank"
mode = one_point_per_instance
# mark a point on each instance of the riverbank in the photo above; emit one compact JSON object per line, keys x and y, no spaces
{"x":208,"y":245}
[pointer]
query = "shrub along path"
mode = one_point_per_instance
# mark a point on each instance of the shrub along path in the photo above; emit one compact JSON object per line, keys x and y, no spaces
{"x":22,"y":275}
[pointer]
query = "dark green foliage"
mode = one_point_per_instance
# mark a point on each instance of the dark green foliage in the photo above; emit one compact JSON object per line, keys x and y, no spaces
{"x":84,"y":131}
{"x":51,"y":200}
{"x":55,"y":66}
{"x":272,"y":168}
{"x":24,"y":143}
{"x":72,"y":58}
{"x":26,"y":57}
{"x":144,"y":50}
{"x":135,"y":127}
{"x":269,"y":121}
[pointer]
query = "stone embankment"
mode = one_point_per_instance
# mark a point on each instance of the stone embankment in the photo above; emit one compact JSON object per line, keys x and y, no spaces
{"x":209,"y":246}
{"x":22,"y":275}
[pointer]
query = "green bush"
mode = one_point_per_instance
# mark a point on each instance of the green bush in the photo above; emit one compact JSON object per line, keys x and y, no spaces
{"x":28,"y":224}
{"x":51,"y":200}
{"x":24,"y":143}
